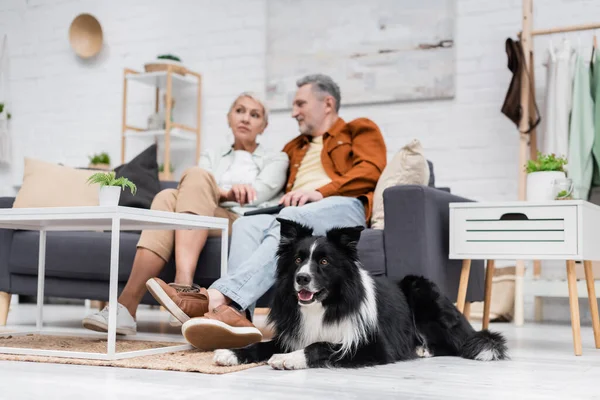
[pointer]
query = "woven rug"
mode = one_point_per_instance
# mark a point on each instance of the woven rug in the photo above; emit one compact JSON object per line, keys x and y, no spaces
{"x":185,"y":361}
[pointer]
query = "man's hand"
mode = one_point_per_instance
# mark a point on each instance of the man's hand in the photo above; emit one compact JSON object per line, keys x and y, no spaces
{"x":242,"y":194}
{"x":300,"y":197}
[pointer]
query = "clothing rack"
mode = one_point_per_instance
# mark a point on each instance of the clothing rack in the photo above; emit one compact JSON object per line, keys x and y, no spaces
{"x":528,"y":141}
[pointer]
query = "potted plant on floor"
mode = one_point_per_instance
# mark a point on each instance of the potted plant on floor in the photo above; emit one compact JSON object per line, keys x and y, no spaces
{"x":100,"y":161}
{"x":110,"y":187}
{"x":541,"y":174}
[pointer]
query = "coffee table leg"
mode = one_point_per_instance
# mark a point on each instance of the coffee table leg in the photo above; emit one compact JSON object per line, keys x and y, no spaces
{"x":591,"y":289}
{"x":463,"y":285}
{"x":112,"y":297}
{"x":41,"y":280}
{"x":489,"y":275}
{"x":574,"y":303}
{"x":224,"y":248}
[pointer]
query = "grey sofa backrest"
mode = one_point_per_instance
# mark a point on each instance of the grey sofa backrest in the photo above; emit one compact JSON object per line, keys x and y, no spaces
{"x":168,"y":185}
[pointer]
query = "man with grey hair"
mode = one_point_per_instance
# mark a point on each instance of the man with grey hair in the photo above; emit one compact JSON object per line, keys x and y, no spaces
{"x":334,"y":168}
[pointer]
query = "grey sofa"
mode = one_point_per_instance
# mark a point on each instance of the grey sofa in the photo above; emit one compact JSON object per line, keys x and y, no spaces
{"x":414,"y":241}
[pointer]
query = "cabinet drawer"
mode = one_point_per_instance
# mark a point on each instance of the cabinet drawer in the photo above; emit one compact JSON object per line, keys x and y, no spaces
{"x":515,"y":230}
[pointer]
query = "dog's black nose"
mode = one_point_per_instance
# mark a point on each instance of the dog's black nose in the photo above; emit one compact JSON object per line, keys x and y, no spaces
{"x":303,"y":278}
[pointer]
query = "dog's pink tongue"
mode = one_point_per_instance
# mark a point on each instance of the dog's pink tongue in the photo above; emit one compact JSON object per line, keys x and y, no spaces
{"x":305,"y":295}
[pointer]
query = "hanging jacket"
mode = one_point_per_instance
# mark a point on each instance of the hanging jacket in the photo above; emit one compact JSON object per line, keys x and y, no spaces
{"x":581,"y":132}
{"x":562,"y":101}
{"x":595,"y":76}
{"x":512,"y":106}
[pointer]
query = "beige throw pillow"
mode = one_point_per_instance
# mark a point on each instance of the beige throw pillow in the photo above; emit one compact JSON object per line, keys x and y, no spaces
{"x":50,"y":185}
{"x":408,"y":167}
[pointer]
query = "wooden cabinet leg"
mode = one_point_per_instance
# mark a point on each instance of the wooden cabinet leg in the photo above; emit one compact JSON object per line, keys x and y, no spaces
{"x":467,"y":311}
{"x":538,"y":302}
{"x":574,"y":305}
{"x":463,"y":285}
{"x":591,"y":289}
{"x":519,"y":314}
{"x":489,"y":276}
{"x":4,"y":306}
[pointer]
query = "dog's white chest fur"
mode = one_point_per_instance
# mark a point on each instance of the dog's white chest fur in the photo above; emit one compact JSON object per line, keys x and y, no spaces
{"x":312,"y":328}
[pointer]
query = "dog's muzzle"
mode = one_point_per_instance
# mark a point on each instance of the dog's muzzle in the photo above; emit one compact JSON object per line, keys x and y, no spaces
{"x":306,"y":291}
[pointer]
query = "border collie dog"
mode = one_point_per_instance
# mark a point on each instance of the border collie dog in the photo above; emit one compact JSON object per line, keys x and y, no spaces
{"x":328,"y":311}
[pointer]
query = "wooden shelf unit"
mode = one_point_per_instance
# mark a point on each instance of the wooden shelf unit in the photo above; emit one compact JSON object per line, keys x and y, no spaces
{"x":167,"y":81}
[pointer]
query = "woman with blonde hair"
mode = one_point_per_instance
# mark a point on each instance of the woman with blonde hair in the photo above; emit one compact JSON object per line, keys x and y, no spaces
{"x":225,"y":184}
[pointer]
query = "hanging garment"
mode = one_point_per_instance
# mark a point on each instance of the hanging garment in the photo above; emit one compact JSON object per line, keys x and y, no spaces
{"x":547,"y":136}
{"x":581,"y":132}
{"x":5,"y":142}
{"x":595,"y":76}
{"x":512,"y":107}
{"x":563,"y":99}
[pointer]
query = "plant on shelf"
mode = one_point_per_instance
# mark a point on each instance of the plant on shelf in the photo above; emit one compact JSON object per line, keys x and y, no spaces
{"x":165,"y":62}
{"x":161,"y":167}
{"x":161,"y":171}
{"x":100,"y":161}
{"x":8,"y":115}
{"x":541,"y":174}
{"x":169,"y":57}
{"x":111,"y":187}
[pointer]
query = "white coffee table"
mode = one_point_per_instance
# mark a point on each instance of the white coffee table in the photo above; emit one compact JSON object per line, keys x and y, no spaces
{"x":114,"y":219}
{"x":557,"y":230}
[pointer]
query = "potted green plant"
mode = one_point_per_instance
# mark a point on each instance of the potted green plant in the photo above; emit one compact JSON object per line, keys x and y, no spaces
{"x":2,"y":112}
{"x":100,"y":161}
{"x":541,"y":174}
{"x":110,"y":187}
{"x":163,"y":61}
{"x":161,"y":171}
{"x":169,"y":57}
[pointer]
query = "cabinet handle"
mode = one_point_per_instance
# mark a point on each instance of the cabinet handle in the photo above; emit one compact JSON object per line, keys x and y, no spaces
{"x":514,"y":217}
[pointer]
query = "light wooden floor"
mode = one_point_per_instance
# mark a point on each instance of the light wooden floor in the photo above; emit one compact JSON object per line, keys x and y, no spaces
{"x":542,"y":367}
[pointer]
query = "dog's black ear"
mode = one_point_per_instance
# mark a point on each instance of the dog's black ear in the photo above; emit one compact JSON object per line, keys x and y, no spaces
{"x":346,"y":236}
{"x":293,"y":231}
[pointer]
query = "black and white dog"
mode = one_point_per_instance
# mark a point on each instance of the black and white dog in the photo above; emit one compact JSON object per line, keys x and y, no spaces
{"x":328,"y":311}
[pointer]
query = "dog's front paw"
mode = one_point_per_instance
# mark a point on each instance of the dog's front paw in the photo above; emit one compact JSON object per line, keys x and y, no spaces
{"x":225,"y":358}
{"x":294,"y":360}
{"x":423,"y":352}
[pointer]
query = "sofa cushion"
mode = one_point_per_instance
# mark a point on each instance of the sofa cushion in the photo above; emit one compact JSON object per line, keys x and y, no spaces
{"x":408,"y":167}
{"x":143,"y":171}
{"x":431,"y":174}
{"x":47,"y":184}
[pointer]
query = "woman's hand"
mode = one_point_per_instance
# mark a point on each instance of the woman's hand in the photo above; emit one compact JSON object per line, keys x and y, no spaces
{"x":243,"y":194}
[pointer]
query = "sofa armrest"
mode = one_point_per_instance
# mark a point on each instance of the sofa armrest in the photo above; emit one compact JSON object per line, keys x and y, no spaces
{"x":6,"y":236}
{"x":416,"y":238}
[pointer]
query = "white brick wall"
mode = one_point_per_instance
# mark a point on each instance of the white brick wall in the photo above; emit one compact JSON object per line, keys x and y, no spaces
{"x":64,"y":108}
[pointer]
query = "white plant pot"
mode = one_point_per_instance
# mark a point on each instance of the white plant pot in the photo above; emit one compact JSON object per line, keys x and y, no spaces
{"x":540,"y":185}
{"x":109,"y":195}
